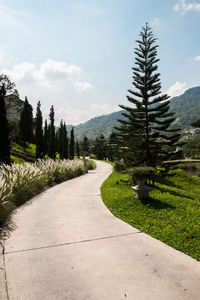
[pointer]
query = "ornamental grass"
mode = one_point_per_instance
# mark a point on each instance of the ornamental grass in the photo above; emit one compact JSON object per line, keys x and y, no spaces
{"x":20,"y":182}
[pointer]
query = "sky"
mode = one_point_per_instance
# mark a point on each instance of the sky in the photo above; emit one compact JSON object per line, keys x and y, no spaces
{"x":77,"y":55}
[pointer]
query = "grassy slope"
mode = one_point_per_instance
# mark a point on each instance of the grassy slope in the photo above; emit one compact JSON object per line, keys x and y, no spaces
{"x":171,"y":214}
{"x":20,"y":155}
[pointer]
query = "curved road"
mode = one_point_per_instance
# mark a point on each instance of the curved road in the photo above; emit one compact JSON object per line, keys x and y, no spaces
{"x":67,"y":245}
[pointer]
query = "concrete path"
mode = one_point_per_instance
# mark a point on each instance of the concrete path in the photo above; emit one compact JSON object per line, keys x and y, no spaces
{"x":67,"y":245}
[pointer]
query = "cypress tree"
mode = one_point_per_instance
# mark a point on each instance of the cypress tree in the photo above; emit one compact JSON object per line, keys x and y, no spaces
{"x":4,"y":132}
{"x":46,"y":137}
{"x":65,"y":142}
{"x":61,"y":139}
{"x":39,"y":140}
{"x":26,"y":123}
{"x":71,"y":145}
{"x":57,"y":143}
{"x":145,"y":133}
{"x":77,"y":149}
{"x":52,"y":136}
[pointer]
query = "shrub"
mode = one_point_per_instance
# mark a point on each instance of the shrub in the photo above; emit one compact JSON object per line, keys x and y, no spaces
{"x":119,"y":166}
{"x":141,"y":171}
{"x":138,"y":173}
{"x":92,"y":156}
{"x":91,"y":164}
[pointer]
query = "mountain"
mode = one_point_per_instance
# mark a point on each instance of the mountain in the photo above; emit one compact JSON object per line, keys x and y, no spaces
{"x":97,"y":126}
{"x":186,"y":107}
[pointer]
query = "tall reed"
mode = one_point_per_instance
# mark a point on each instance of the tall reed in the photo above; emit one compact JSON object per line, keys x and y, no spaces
{"x":19,"y":182}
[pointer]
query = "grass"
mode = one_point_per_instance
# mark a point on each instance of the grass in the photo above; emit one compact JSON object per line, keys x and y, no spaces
{"x":17,"y":160}
{"x":171,"y":214}
{"x":26,"y":154}
{"x":30,"y":148}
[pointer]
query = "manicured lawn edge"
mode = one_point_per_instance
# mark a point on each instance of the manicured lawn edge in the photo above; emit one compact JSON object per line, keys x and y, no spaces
{"x":171,"y":215}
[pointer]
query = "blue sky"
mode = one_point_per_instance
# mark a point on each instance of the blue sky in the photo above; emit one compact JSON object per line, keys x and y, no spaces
{"x":77,"y":54}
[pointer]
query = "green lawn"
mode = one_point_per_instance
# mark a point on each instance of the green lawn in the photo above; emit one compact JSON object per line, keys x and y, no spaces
{"x":20,"y":154}
{"x":171,"y":214}
{"x":30,"y":148}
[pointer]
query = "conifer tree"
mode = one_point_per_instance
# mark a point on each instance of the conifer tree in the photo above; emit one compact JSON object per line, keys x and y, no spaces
{"x":52,"y":137}
{"x":46,"y":137}
{"x":39,"y":140}
{"x":196,"y":124}
{"x":145,"y":133}
{"x":65,"y":142}
{"x":26,"y":123}
{"x":61,"y":140}
{"x":77,"y":149}
{"x":85,"y":145}
{"x":71,"y":145}
{"x":100,"y":147}
{"x":57,"y":143}
{"x":4,"y":132}
{"x":112,"y":147}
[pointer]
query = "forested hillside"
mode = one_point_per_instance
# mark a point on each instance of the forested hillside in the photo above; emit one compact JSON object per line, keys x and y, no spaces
{"x":186,"y":107}
{"x":97,"y":126}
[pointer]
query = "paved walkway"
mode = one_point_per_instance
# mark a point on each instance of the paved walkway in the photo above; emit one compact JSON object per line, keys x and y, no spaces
{"x":67,"y":245}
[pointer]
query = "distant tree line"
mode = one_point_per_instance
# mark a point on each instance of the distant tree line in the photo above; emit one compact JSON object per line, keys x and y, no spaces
{"x":50,"y":141}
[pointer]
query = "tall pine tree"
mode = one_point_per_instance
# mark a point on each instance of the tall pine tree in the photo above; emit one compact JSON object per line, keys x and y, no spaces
{"x":145,"y":133}
{"x":52,"y":136}
{"x":39,"y":140}
{"x":4,"y":132}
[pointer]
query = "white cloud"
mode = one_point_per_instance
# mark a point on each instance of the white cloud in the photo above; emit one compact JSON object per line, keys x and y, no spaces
{"x":155,"y":22}
{"x":84,"y":86}
{"x":54,"y":83}
{"x":176,"y":89}
{"x":74,"y":115}
{"x":197,"y":58}
{"x":51,"y":74}
{"x":182,"y":6}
